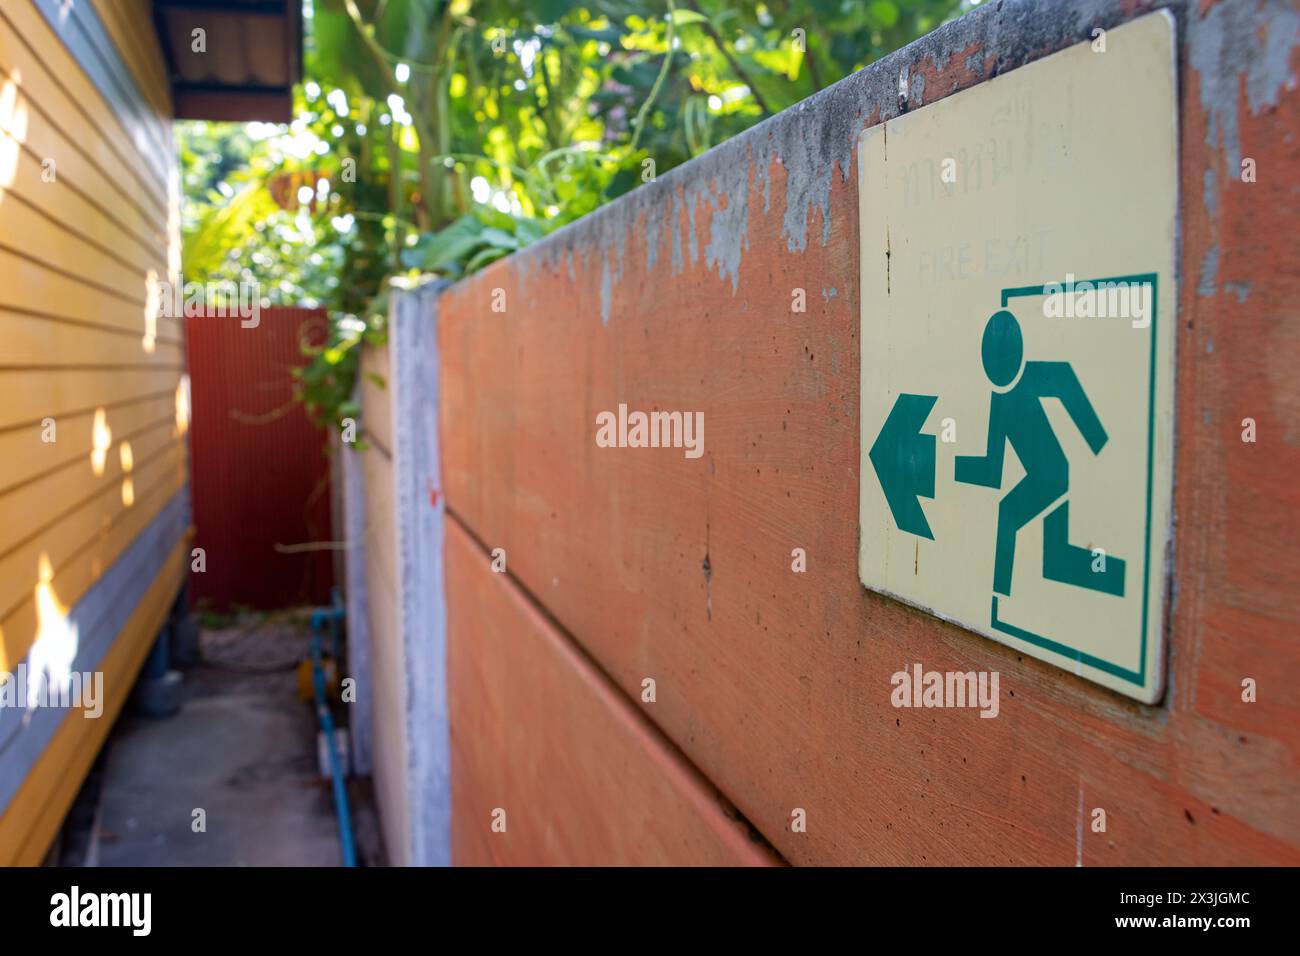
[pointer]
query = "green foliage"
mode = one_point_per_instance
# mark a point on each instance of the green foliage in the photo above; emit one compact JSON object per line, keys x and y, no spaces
{"x":440,"y":135}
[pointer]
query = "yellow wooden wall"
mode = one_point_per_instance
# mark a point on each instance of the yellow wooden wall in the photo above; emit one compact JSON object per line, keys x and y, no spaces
{"x":88,"y":221}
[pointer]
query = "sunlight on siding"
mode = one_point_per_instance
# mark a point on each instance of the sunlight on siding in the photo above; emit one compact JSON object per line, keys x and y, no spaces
{"x":183,"y":405}
{"x":128,"y":485}
{"x":101,"y":439}
{"x":152,"y":304}
{"x":13,"y":121}
{"x":55,"y":649}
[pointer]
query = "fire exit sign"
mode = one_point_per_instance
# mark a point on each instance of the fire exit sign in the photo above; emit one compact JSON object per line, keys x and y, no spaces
{"x":1017,"y":343}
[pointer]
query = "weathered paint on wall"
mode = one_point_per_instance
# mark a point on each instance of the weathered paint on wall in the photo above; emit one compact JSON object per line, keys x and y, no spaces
{"x":93,"y":548}
{"x":776,"y":685}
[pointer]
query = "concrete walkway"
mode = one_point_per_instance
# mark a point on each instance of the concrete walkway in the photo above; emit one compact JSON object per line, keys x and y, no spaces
{"x":242,"y":750}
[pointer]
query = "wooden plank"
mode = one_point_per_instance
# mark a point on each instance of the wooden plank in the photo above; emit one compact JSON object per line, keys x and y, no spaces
{"x":25,"y":457}
{"x":34,"y":816}
{"x":77,"y":255}
{"x":777,"y":684}
{"x":58,"y":246}
{"x":537,"y":731}
{"x":59,"y":92}
{"x":83,"y":33}
{"x":132,"y":34}
{"x":35,"y":60}
{"x":96,"y":620}
{"x":33,"y":508}
{"x":63,"y":202}
{"x":86,"y":510}
{"x":81,"y":568}
{"x":27,"y":285}
{"x":40,"y":394}
{"x":39,"y":341}
{"x":77,"y":35}
{"x":31,"y":139}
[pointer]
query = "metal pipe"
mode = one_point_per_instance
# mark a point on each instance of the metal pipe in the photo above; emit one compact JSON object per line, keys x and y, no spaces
{"x":318,"y":618}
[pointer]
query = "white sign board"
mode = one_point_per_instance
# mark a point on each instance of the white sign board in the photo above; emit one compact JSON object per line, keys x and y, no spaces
{"x":1017,"y":343}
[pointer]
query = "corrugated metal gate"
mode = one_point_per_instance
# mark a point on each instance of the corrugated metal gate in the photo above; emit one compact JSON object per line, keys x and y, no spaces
{"x":261,"y":491}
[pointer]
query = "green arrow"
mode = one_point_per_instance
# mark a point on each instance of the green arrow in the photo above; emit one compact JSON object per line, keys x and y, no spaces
{"x":904,"y":462}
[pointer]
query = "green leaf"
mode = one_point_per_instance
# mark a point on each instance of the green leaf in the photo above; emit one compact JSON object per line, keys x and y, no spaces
{"x":434,"y":251}
{"x":224,"y":227}
{"x":884,"y":13}
{"x":340,"y":57}
{"x":611,"y":34}
{"x":683,"y":17}
{"x":500,"y":238}
{"x":485,"y":256}
{"x":529,"y":230}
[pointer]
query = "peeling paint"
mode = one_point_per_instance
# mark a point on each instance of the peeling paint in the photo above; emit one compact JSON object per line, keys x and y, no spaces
{"x":729,"y":226}
{"x":1240,"y":289}
{"x":1208,"y":284}
{"x":813,"y":141}
{"x":652,"y":227}
{"x":1235,"y":38}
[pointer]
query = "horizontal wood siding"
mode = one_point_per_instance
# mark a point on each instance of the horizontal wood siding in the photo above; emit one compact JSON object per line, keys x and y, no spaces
{"x":87,"y":228}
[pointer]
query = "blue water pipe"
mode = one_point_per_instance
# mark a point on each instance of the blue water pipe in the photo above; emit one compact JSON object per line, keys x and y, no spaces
{"x":321,"y":617}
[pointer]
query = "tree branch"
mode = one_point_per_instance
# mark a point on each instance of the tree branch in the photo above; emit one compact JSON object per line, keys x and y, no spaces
{"x":707,"y":26}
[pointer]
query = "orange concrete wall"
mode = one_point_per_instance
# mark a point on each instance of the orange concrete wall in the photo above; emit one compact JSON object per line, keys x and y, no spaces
{"x":775,"y":685}
{"x":543,"y":740}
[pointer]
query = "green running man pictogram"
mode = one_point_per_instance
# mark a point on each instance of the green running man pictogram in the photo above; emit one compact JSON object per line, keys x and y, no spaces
{"x":1017,"y":416}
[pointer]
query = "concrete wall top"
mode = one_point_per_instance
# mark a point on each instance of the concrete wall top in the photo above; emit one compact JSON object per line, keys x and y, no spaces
{"x":1226,"y":45}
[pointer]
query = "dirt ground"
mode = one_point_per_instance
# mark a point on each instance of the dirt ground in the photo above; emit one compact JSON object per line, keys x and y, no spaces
{"x":243,"y":751}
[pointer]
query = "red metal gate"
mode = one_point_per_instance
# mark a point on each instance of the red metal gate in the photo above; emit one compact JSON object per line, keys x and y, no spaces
{"x":260,"y":485}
